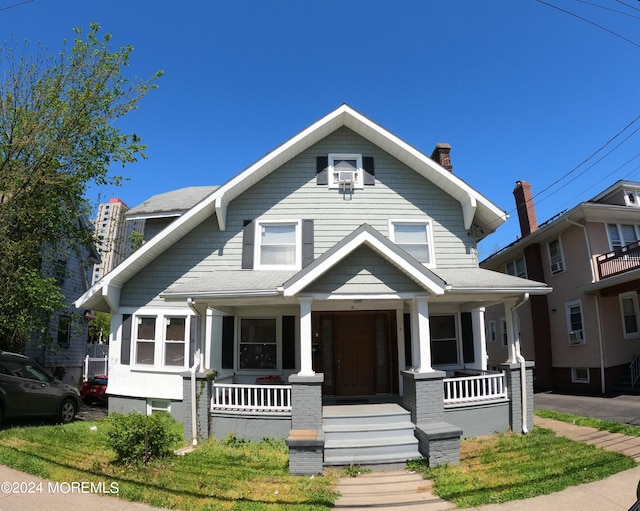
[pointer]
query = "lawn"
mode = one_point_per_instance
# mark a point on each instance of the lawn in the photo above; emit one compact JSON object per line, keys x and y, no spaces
{"x":506,"y":467}
{"x":247,"y":476}
{"x":226,"y":475}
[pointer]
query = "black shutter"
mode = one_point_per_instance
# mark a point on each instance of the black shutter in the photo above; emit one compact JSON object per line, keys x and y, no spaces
{"x":407,"y":340}
{"x":322,"y":176}
{"x":125,"y":348}
{"x":369,"y":170}
{"x":307,"y":243}
{"x":467,"y":338}
{"x":288,"y":342}
{"x":248,"y":233}
{"x":228,"y":338}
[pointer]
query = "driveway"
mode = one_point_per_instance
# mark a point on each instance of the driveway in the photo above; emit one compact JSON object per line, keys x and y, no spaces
{"x":618,"y":408}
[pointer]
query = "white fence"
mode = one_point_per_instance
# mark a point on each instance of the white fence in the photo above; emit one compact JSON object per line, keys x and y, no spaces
{"x":94,"y":366}
{"x":251,"y":398}
{"x":469,"y":390}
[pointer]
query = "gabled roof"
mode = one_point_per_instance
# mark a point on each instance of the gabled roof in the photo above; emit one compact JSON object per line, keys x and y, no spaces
{"x":365,"y":235}
{"x":477,"y":210}
{"x":170,"y":204}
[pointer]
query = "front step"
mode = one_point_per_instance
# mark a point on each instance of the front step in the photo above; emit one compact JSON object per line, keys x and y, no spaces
{"x":368,"y":435}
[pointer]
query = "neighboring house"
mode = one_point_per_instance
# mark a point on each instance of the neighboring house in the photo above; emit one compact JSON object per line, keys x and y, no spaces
{"x":584,"y":336}
{"x":341,"y":268}
{"x":65,"y":350}
{"x":114,"y":236}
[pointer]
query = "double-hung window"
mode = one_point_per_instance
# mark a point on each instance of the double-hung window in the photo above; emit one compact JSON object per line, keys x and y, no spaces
{"x":621,"y":235}
{"x":492,"y":332}
{"x":414,"y":237}
{"x":444,"y":340}
{"x":556,"y":260}
{"x":517,"y":268}
{"x":162,"y":340}
{"x":575,"y":323}
{"x":278,"y":244}
{"x":629,"y":310}
{"x":258,"y":343}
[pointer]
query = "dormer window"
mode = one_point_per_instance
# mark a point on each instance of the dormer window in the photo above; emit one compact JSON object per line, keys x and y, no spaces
{"x":345,"y":168}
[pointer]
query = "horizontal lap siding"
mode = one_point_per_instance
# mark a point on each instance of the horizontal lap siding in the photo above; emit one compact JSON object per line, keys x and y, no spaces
{"x":291,"y":193}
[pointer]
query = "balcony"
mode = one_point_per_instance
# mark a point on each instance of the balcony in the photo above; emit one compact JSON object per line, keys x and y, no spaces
{"x":621,"y":260}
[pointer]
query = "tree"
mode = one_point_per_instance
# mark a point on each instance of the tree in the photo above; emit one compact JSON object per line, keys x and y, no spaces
{"x":100,"y":327}
{"x":57,"y":136}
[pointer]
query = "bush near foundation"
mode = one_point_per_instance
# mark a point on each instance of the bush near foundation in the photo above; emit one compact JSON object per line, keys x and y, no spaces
{"x":137,"y":438}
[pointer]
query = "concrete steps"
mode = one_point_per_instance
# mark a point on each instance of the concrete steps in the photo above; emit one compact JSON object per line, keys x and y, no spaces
{"x":372,"y":434}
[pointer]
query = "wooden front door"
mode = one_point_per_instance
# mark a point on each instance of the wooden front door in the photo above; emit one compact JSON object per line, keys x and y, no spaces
{"x":356,"y":352}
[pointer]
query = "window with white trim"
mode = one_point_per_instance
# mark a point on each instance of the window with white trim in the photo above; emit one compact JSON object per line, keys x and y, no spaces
{"x":580,"y":375}
{"x":621,"y":235}
{"x":158,"y":406}
{"x":162,"y":340}
{"x":629,"y":311}
{"x":556,"y":258}
{"x":343,"y":167}
{"x":278,"y":244}
{"x":575,"y":323}
{"x":414,"y":237}
{"x":503,"y":333}
{"x":258,"y":344}
{"x":492,"y":332}
{"x":517,"y":268}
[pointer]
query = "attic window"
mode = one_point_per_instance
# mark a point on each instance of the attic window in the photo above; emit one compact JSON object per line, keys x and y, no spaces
{"x":345,"y":167}
{"x":632,"y":198}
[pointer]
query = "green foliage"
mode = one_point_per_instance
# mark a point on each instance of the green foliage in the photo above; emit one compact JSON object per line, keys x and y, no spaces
{"x":57,"y":136}
{"x":354,"y":470}
{"x":602,"y":425}
{"x":100,"y":327}
{"x":137,"y":438}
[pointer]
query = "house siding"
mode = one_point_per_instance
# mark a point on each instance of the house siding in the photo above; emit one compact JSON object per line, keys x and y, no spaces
{"x":291,"y":192}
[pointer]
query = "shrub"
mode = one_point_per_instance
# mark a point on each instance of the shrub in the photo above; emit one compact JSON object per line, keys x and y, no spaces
{"x":136,"y":438}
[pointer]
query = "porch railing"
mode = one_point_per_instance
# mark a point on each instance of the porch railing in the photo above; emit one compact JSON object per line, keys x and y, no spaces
{"x":619,"y":261}
{"x":481,"y":388}
{"x":251,"y":398}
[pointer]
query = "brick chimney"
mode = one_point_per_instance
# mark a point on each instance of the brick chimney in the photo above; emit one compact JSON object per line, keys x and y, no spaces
{"x":441,"y":155}
{"x":525,"y":207}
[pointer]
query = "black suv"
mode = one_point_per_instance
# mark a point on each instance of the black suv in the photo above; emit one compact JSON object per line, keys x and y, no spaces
{"x":29,"y":390}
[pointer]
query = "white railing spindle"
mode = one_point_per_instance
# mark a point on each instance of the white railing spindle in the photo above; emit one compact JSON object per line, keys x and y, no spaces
{"x":251,"y":398}
{"x":469,"y":390}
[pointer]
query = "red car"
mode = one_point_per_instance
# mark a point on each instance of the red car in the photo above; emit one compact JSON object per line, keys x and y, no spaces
{"x":94,"y":390}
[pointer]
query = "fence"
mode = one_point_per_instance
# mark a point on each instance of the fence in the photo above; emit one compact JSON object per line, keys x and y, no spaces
{"x":94,"y":366}
{"x":482,"y":388}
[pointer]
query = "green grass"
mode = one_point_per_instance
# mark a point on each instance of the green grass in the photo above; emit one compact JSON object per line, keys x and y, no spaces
{"x":218,"y":475}
{"x":248,"y":476}
{"x":508,"y":467}
{"x":610,"y":426}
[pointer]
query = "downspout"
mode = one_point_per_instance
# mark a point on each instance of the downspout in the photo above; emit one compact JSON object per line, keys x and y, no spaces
{"x":598,"y":318}
{"x":196,"y":363}
{"x":523,"y":370}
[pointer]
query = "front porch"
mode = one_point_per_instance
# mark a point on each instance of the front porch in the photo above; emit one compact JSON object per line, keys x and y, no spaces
{"x":432,"y":415}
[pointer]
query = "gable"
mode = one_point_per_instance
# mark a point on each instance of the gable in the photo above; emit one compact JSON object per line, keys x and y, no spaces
{"x":363,"y":272}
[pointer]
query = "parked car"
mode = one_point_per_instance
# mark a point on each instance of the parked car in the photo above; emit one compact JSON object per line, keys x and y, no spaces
{"x":94,"y":390}
{"x":29,"y":390}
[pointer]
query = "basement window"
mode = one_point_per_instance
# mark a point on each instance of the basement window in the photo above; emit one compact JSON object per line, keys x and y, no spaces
{"x":580,"y":375}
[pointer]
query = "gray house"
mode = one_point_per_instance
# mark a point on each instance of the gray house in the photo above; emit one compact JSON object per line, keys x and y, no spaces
{"x":333,"y":286}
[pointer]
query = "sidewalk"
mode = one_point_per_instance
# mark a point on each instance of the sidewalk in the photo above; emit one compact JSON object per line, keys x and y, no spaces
{"x":379,"y":491}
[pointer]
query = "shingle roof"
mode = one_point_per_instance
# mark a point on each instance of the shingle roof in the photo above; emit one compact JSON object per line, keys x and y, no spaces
{"x":172,"y":203}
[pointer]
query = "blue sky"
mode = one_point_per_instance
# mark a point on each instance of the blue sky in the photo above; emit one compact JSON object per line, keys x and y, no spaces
{"x":520,"y":89}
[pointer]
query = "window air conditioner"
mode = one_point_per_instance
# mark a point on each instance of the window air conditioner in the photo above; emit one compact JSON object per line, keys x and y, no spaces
{"x":575,"y":337}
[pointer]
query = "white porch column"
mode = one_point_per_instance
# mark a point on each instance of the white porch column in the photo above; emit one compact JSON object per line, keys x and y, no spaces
{"x":512,"y":335}
{"x":479,"y":340}
{"x":306,"y":365}
{"x":420,"y":335}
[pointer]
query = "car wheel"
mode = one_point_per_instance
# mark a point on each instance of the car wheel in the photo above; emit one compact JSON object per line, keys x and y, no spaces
{"x":68,"y":411}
